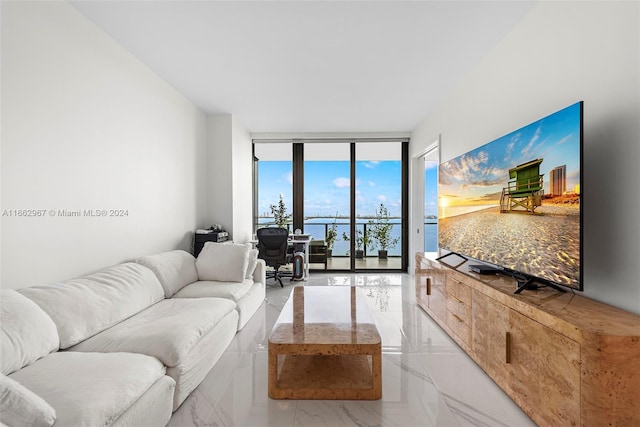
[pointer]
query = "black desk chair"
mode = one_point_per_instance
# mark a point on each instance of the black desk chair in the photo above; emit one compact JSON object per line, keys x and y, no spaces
{"x":272,"y":248}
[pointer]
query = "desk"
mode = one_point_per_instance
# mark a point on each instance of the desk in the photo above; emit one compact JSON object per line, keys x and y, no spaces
{"x":295,"y":239}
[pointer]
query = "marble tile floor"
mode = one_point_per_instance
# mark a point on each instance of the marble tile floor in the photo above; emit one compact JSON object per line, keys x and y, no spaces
{"x":427,"y":379}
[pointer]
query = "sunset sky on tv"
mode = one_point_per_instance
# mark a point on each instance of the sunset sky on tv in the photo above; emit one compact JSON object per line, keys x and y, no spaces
{"x":477,"y":177}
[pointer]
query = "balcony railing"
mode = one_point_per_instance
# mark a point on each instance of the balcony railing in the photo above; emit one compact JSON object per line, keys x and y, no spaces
{"x":318,"y":231}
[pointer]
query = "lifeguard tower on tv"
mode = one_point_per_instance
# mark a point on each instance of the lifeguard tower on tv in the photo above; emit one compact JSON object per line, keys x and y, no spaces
{"x":524,"y":190}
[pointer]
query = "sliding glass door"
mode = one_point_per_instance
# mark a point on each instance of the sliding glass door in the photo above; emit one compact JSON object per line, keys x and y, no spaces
{"x":378,"y":219}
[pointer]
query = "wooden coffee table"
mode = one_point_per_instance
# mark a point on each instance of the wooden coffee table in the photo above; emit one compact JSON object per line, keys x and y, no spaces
{"x":325,"y":345}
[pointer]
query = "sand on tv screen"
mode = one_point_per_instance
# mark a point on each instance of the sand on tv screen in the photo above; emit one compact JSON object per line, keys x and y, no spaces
{"x":515,"y":202}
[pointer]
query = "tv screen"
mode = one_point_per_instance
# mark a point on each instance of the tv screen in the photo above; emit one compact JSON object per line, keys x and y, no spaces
{"x":515,"y":202}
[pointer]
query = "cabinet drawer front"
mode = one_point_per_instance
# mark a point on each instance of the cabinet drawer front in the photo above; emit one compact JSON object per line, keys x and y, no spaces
{"x":460,"y":309}
{"x":462,"y":330}
{"x":458,"y":290}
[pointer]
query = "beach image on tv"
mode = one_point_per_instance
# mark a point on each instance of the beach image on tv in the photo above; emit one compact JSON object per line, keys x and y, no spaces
{"x":515,"y":202}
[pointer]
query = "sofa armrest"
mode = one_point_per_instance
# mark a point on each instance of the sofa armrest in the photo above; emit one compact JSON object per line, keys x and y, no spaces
{"x":260,"y":273}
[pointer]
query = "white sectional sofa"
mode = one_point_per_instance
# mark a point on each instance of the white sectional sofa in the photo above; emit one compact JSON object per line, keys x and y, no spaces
{"x":125,"y":345}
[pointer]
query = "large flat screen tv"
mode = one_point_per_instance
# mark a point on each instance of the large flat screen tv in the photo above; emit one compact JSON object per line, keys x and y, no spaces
{"x":515,"y":202}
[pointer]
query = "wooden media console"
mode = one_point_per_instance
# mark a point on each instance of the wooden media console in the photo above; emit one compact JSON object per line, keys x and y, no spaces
{"x":565,"y":359}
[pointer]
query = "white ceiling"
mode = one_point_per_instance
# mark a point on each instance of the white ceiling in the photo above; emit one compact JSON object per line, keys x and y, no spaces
{"x":311,"y":66}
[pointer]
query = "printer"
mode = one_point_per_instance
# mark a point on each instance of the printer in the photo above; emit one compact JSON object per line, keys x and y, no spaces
{"x":214,"y":234}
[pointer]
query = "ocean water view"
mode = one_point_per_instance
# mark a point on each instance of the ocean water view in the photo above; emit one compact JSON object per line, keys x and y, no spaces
{"x":317,"y":227}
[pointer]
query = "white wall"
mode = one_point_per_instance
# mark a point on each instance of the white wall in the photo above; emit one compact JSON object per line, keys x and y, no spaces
{"x":560,"y":53}
{"x":86,"y":126}
{"x":230,"y":182}
{"x":220,"y":187}
{"x":242,"y":178}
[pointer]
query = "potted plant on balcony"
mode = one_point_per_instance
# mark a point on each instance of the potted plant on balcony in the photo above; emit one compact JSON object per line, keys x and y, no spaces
{"x":381,"y":232}
{"x":367,"y":238}
{"x":363,"y":239}
{"x":280,"y":215}
{"x":359,"y":251}
{"x":332,"y":234}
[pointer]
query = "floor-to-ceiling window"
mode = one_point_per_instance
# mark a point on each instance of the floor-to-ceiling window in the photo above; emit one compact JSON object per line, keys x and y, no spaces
{"x":327,"y":195}
{"x":273,"y":184}
{"x":350,"y":194}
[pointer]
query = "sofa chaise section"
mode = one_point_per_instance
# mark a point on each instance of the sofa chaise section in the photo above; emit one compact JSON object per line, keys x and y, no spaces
{"x":92,"y":389}
{"x":44,"y":385}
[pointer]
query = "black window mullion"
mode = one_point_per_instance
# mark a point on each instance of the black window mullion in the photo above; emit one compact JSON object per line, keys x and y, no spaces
{"x":405,"y":206}
{"x":352,"y":194}
{"x":298,"y":186}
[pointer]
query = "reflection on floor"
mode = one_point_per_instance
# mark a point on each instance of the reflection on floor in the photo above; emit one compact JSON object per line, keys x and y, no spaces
{"x":370,"y":263}
{"x":427,"y":379}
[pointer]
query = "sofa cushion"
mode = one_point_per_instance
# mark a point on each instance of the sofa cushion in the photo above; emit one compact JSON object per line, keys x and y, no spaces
{"x":154,"y":408}
{"x":82,"y":307}
{"x":253,"y":262}
{"x":27,"y":333}
{"x":174,"y":269}
{"x":20,"y":406}
{"x":223,"y":262}
{"x":168,"y":330}
{"x":90,"y":389}
{"x":205,"y":288}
